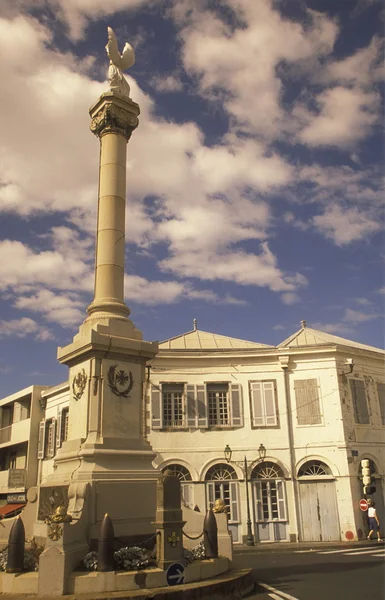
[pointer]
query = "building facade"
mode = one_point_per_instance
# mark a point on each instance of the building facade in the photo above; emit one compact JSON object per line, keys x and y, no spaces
{"x":296,"y":420}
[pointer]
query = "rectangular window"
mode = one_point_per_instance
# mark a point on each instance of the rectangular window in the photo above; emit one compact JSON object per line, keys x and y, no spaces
{"x":263,"y":405}
{"x":49,"y":442}
{"x":12,"y":460}
{"x":381,"y":398}
{"x":64,"y":424}
{"x":218,"y":404}
{"x":307,"y":402}
{"x":360,"y":403}
{"x":173,"y":405}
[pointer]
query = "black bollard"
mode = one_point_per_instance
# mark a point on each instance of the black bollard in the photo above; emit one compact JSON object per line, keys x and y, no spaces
{"x":16,"y":541}
{"x":210,"y":535}
{"x":106,"y":545}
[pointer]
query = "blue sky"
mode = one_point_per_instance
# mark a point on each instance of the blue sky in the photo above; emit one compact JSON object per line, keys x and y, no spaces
{"x":254,"y":193}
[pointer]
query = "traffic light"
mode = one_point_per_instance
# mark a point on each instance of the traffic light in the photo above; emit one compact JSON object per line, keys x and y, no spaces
{"x":367,"y":479}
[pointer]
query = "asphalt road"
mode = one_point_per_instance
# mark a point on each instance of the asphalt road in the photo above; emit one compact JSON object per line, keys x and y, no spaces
{"x":323,"y":574}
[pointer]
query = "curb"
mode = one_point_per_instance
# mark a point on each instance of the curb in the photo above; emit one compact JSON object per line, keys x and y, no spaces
{"x":233,"y":584}
{"x":295,"y":547}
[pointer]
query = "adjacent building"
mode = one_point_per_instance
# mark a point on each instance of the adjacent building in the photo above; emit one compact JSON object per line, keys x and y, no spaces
{"x":295,"y":419}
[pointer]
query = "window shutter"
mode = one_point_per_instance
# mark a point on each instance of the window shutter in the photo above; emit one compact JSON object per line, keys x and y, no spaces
{"x":256,"y":404}
{"x":234,"y":512}
{"x":40,"y":447}
{"x":156,"y":402}
{"x":258,"y":500}
{"x":210,"y":494}
{"x":202,"y":406}
{"x":307,"y":402}
{"x":16,"y":412}
{"x":360,"y":404}
{"x":187,"y":494}
{"x":51,"y":450}
{"x":281,"y":500}
{"x":381,"y":399}
{"x":59,"y":435}
{"x":191,"y":406}
{"x":271,"y":416}
{"x":236,"y":405}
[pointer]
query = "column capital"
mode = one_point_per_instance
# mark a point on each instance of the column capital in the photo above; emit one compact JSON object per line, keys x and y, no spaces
{"x":113,"y":113}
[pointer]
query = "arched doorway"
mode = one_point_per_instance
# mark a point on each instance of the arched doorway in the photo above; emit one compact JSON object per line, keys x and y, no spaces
{"x":319,"y":510}
{"x":269,"y":496}
{"x":185,"y":478}
{"x":222,"y":482}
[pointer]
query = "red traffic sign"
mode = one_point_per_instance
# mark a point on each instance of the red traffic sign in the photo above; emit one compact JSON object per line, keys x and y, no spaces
{"x":363,"y":504}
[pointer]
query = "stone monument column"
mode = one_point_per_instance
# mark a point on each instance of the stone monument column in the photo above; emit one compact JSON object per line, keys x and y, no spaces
{"x":113,"y":120}
{"x":105,"y":449}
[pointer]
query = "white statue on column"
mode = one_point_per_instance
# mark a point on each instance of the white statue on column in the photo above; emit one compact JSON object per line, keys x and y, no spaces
{"x":118,"y":64}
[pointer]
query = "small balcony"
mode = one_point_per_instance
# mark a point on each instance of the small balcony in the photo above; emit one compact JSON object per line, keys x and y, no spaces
{"x":16,"y":433}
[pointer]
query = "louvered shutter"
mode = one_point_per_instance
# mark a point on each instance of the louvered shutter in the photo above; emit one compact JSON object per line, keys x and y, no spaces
{"x":187,"y":494}
{"x":156,"y":407}
{"x":281,"y":500}
{"x":360,"y":404}
{"x":16,"y":412}
{"x":307,"y":401}
{"x":381,"y":398}
{"x":59,"y":435}
{"x":257,"y":403}
{"x":203,"y":421}
{"x":268,"y":392}
{"x":236,"y":405}
{"x":51,"y":450}
{"x":258,"y":500}
{"x":40,"y":446}
{"x":191,"y":406}
{"x":234,"y":511}
{"x":210,"y":494}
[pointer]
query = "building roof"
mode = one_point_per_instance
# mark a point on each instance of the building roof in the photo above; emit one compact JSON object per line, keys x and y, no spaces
{"x":307,"y":336}
{"x":204,"y":340}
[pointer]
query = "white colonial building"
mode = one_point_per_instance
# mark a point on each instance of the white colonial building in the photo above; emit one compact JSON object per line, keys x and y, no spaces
{"x":301,"y":416}
{"x":316,"y":404}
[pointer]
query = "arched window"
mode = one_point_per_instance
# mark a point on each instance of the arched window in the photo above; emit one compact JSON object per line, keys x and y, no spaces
{"x":314,"y":468}
{"x":184,"y":477}
{"x":267,"y":470}
{"x":270,"y":501}
{"x":179,"y":471}
{"x":221,"y":483}
{"x":220,"y":472}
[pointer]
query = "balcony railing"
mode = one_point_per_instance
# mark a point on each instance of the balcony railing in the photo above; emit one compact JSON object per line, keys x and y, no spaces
{"x":5,"y":434}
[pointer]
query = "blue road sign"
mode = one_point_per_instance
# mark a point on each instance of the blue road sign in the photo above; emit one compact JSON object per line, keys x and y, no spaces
{"x":175,"y":574}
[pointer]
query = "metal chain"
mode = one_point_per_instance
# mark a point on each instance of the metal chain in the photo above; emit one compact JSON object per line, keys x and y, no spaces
{"x":192,"y":538}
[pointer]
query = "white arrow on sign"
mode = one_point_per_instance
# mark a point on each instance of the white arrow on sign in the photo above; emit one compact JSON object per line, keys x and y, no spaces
{"x":179,"y":576}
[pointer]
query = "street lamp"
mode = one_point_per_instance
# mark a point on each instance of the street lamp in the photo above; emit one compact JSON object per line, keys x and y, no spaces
{"x":262,"y":454}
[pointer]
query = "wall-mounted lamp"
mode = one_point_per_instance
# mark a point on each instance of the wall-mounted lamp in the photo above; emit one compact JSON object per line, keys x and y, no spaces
{"x":349,"y":362}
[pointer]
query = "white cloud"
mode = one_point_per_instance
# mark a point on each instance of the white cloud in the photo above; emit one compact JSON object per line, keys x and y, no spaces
{"x":56,"y":308}
{"x":278,"y":327}
{"x":355,"y":316}
{"x":334,"y":328}
{"x":167,"y":83}
{"x":22,"y":327}
{"x":344,"y":226}
{"x":290,"y":298}
{"x":345,"y":116}
{"x":363,"y":68}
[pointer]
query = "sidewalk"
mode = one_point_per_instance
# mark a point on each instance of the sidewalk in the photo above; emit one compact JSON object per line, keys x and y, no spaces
{"x":296,"y":546}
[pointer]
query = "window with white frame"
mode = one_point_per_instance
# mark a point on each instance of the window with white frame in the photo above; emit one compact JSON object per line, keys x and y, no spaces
{"x":173,"y":405}
{"x":196,"y":406}
{"x":263,"y":403}
{"x":269,"y":489}
{"x":381,"y":399}
{"x":221,"y":483}
{"x":47,"y":439}
{"x":218,"y":404}
{"x":307,"y":399}
{"x":184,"y":476}
{"x":360,"y":402}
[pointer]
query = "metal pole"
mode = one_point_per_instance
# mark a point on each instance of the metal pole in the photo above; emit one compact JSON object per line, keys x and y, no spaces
{"x":250,"y":539}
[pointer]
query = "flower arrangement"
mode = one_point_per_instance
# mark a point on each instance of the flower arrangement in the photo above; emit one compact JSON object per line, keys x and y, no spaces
{"x":31,"y":557}
{"x":196,"y":553}
{"x":125,"y":559}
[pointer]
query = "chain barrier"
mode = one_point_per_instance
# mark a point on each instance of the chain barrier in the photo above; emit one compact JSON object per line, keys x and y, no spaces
{"x":191,"y":537}
{"x":137,"y":545}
